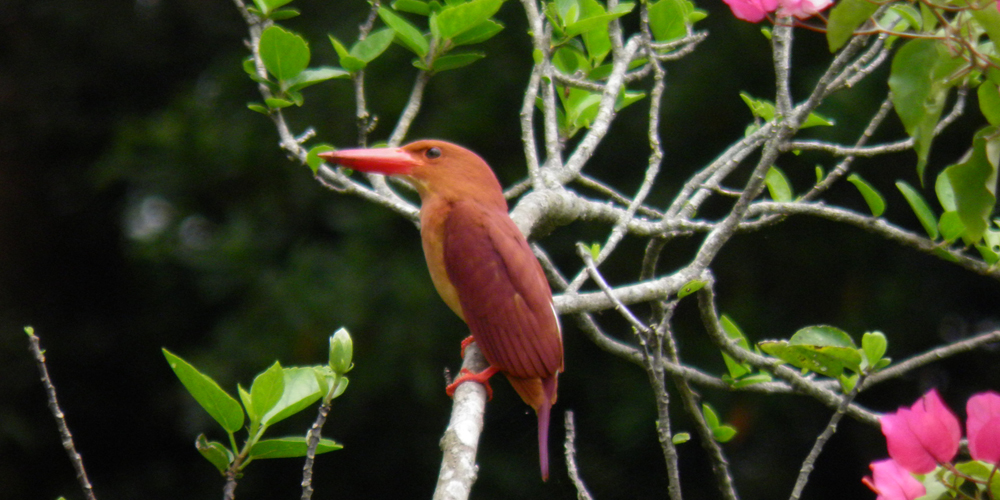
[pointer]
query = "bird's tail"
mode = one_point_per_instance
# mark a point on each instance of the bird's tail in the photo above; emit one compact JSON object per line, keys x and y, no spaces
{"x":541,"y":395}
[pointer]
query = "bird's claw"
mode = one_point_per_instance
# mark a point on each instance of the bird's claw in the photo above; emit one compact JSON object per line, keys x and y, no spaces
{"x":465,"y":375}
{"x":465,"y":344}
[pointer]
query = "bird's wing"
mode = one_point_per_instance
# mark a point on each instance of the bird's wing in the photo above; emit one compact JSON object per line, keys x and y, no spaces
{"x":505,"y":297}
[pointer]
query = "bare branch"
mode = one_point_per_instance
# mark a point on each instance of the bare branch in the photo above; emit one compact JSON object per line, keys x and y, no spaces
{"x":35,"y":346}
{"x":932,"y":356}
{"x":810,"y":462}
{"x":881,"y":228}
{"x":571,"y":467}
{"x":312,"y":442}
{"x":411,"y":109}
{"x":781,"y":46}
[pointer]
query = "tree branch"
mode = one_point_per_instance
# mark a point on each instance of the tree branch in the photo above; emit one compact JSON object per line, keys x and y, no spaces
{"x":461,"y":438}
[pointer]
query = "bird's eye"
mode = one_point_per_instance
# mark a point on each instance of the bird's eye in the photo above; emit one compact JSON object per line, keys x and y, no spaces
{"x":433,"y":153}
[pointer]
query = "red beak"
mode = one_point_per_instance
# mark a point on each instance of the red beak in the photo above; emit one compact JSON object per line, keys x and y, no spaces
{"x":388,"y":161}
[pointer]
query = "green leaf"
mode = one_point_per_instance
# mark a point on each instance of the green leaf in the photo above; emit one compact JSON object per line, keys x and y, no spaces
{"x":989,"y":101}
{"x":822,"y":335}
{"x":312,"y":158}
{"x":990,"y":248}
{"x":723,"y":433}
{"x":373,"y":45}
{"x":845,"y":17}
{"x":951,"y":227}
{"x":627,"y":98}
{"x":757,"y":378}
{"x":266,"y":6}
{"x":736,"y":369}
{"x":825,"y":350}
{"x":277,"y":103}
{"x":265,"y":392}
{"x":680,"y":438}
{"x":720,"y":432}
{"x":457,"y":19}
{"x":349,"y":62}
{"x":289,"y":447}
{"x":873,"y":345}
{"x":248,"y":405}
{"x":220,"y":405}
{"x":280,"y":15}
{"x":568,"y":11}
{"x":312,"y":76}
{"x":596,"y":41}
{"x":847,"y":382}
{"x":215,"y":452}
{"x":569,"y":58}
{"x":817,"y":120}
{"x":668,"y":19}
{"x":691,"y":287}
{"x":484,"y":31}
{"x":760,"y":108}
{"x":910,"y":15}
{"x":920,"y":208}
{"x":454,"y":61}
{"x":412,"y":6}
{"x":599,"y":21}
{"x":989,"y":20}
{"x":872,"y":197}
{"x":580,"y":107}
{"x":406,"y":33}
{"x":255,"y":106}
{"x":920,"y":79}
{"x":974,"y":184}
{"x":711,"y":418}
{"x":595,"y":250}
{"x":284,"y":53}
{"x":945,"y":193}
{"x":300,"y":390}
{"x":251,"y":69}
{"x":777,"y":185}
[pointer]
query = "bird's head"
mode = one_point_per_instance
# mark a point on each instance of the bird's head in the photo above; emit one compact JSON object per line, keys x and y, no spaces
{"x":433,"y":167}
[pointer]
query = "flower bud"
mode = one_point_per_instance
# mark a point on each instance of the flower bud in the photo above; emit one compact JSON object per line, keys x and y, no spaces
{"x":341,"y":352}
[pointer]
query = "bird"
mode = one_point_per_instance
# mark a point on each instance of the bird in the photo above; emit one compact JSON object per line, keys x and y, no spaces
{"x":481,"y":265}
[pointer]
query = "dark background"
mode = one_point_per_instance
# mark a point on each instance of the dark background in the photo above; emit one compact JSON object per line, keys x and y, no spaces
{"x":143,"y":206}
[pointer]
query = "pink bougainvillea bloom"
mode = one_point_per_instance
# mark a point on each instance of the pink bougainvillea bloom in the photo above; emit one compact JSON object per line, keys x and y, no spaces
{"x":893,"y":482}
{"x":802,"y":9}
{"x":751,"y":10}
{"x":922,"y":436}
{"x":983,"y":426}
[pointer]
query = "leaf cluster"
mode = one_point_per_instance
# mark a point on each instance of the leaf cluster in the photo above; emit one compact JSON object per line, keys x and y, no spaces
{"x":275,"y":394}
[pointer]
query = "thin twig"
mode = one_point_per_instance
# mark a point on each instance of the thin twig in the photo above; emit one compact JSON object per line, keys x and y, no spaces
{"x":810,"y":462}
{"x":312,"y":440}
{"x":932,"y":356}
{"x":35,"y":347}
{"x":571,"y":467}
{"x":411,"y":110}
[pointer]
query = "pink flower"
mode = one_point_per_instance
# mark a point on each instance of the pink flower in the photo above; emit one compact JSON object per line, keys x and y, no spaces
{"x":802,"y":9}
{"x":751,"y":10}
{"x":922,"y":436}
{"x":983,"y":426}
{"x":893,"y":482}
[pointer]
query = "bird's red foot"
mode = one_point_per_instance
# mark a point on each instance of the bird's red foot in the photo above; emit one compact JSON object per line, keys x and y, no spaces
{"x":465,"y":344}
{"x":465,"y":375}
